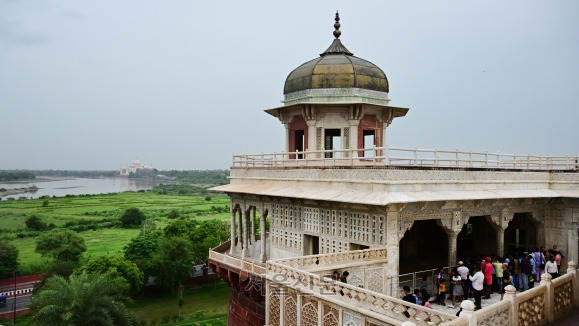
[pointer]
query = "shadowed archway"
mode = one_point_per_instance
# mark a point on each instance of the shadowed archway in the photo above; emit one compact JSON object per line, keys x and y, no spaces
{"x":477,"y":237}
{"x":424,"y":246}
{"x":521,"y":233}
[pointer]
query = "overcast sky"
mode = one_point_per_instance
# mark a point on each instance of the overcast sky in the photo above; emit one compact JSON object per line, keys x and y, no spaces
{"x":183,"y":84}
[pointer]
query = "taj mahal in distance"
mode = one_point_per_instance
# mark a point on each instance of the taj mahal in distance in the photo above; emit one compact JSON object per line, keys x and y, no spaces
{"x":339,"y":197}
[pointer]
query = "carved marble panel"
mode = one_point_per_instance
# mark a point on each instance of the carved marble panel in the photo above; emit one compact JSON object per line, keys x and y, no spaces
{"x":309,"y":312}
{"x":376,"y":279}
{"x":351,"y":320}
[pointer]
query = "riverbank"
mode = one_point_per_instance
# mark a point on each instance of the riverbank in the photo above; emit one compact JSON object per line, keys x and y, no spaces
{"x":17,"y":191}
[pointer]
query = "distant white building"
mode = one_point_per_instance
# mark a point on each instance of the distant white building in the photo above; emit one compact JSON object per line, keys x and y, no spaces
{"x":134,"y":167}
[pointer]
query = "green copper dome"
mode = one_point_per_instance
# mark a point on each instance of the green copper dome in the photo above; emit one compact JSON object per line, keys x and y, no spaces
{"x":337,"y":68}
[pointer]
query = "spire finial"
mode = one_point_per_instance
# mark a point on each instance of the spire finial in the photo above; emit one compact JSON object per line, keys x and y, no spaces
{"x":337,"y":32}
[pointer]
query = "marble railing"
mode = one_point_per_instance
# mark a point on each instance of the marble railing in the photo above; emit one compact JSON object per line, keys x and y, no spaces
{"x":247,"y":265}
{"x":330,"y":260}
{"x":543,"y":304}
{"x":364,"y":301}
{"x":395,"y":156}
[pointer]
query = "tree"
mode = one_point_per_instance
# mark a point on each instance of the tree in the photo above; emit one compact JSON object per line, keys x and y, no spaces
{"x":60,"y":244}
{"x":180,"y":228}
{"x":141,"y":247}
{"x":117,"y":267}
{"x":208,"y":234}
{"x":173,"y":214}
{"x":132,"y":217}
{"x":34,"y":222}
{"x":8,"y":257}
{"x":173,"y":263}
{"x":85,"y":299}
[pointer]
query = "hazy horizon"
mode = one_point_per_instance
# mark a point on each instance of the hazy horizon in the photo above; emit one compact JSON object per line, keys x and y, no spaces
{"x":182,"y":85}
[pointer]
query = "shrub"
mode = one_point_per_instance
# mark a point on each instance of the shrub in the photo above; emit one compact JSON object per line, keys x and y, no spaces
{"x":34,"y":222}
{"x":132,"y":217}
{"x":173,"y":214}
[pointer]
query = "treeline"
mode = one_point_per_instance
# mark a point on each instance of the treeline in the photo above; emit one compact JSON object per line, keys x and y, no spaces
{"x":213,"y":177}
{"x":16,"y":176}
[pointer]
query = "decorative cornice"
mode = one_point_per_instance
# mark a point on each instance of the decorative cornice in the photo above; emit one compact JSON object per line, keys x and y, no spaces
{"x":336,"y":95}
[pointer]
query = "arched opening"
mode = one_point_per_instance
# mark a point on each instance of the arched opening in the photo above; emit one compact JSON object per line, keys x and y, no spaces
{"x":477,"y":237}
{"x":424,"y":246}
{"x":521,"y":233}
{"x":332,"y":140}
{"x":298,"y":136}
{"x":369,"y":135}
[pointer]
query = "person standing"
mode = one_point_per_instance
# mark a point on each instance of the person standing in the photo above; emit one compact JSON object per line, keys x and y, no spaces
{"x":457,"y":291}
{"x":477,"y":286}
{"x":533,"y":271}
{"x":488,"y":273}
{"x":408,"y":297}
{"x":558,"y":257}
{"x":442,"y":291}
{"x":551,"y":267}
{"x":507,"y":279}
{"x":539,"y":263}
{"x":526,"y":270}
{"x":344,"y":278}
{"x":516,"y":270}
{"x":424,"y":284}
{"x":439,"y":277}
{"x":498,"y":272}
{"x":463,"y":272}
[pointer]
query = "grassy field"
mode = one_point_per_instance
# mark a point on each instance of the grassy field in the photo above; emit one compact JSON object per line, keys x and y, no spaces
{"x":204,"y":305}
{"x":61,"y":210}
{"x":208,"y":301}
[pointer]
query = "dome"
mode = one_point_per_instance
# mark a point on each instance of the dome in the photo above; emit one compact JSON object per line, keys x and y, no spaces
{"x":337,"y":68}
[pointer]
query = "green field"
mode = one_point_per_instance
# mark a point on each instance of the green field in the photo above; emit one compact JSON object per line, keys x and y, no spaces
{"x":101,"y":241}
{"x":208,"y":301}
{"x":204,"y":304}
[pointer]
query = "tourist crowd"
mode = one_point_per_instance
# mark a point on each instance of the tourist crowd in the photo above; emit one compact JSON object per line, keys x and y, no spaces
{"x":479,"y":278}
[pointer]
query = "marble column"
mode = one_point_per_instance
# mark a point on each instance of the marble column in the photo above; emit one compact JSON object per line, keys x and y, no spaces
{"x":245,"y":252}
{"x":500,"y":241}
{"x":232,"y":246}
{"x":312,"y":144}
{"x":452,"y":235}
{"x":240,"y":233}
{"x":392,"y":252}
{"x":252,"y":217}
{"x":263,"y":254}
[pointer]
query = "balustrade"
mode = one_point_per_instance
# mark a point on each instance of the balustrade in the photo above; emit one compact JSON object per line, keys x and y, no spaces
{"x":407,"y":157}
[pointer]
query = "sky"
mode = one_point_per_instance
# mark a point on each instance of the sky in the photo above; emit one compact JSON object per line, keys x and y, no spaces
{"x":182,"y":85}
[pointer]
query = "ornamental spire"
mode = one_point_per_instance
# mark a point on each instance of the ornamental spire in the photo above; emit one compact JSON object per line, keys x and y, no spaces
{"x":337,"y":32}
{"x":337,"y":47}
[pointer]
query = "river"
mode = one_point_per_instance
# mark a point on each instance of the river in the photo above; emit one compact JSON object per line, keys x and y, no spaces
{"x":78,"y":186}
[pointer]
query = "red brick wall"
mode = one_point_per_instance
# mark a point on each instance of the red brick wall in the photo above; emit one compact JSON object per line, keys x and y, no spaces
{"x":19,"y":313}
{"x":243,"y":311}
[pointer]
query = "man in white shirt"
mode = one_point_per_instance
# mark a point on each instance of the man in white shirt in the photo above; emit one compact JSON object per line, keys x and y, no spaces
{"x":551,"y":267}
{"x":477,"y":286}
{"x":463,"y":272}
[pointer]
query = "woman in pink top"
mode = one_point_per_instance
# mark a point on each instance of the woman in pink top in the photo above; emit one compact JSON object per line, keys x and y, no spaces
{"x":488,"y":273}
{"x":424,"y":302}
{"x":558,"y":257}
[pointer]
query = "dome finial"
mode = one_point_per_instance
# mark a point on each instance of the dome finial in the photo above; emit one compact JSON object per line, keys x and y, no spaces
{"x":337,"y":32}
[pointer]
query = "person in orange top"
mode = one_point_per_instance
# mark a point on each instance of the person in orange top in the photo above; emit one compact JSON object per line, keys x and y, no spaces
{"x":442,"y":291}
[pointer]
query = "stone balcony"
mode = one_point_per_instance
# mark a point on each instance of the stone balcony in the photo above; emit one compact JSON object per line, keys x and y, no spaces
{"x":412,"y":176}
{"x":297,"y":288}
{"x":397,"y":157}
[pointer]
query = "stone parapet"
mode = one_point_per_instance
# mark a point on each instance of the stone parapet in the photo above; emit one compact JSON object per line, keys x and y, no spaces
{"x":386,"y":186}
